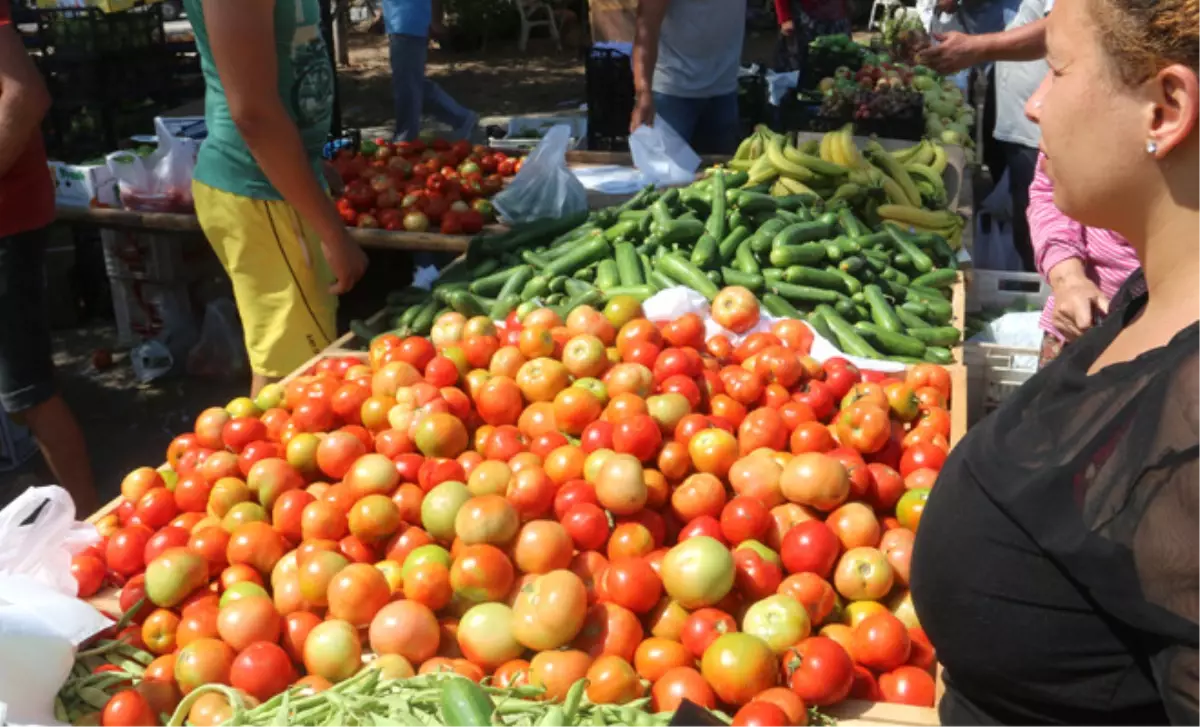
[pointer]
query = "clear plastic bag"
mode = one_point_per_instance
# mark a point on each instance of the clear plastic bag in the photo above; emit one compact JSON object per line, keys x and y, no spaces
{"x":221,"y":350}
{"x":544,"y":187}
{"x":160,"y":181}
{"x":662,"y":155}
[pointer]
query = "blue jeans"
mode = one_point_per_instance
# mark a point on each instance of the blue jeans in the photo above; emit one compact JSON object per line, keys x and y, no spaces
{"x":413,"y":93}
{"x":711,"y":125}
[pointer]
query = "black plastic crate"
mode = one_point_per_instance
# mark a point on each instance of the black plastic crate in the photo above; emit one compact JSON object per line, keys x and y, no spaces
{"x":90,"y":34}
{"x":119,"y":80}
{"x":76,"y":133}
{"x":799,"y":114}
{"x":610,"y":99}
{"x":753,"y":103}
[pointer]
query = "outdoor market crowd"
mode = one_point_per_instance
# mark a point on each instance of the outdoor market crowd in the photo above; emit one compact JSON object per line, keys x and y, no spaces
{"x":1057,"y":568}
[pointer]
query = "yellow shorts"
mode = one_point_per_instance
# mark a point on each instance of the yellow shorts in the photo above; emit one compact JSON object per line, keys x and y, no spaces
{"x":280,"y":277}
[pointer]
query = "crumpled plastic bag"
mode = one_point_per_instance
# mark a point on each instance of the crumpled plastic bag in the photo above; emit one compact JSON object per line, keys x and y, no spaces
{"x":674,"y":302}
{"x":779,"y":84}
{"x":662,"y":155}
{"x":221,"y":350}
{"x":1015,"y":330}
{"x":41,"y":619}
{"x":544,"y":187}
{"x":159,"y":182}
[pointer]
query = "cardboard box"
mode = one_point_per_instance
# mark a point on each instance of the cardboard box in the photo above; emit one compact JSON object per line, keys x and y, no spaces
{"x":84,"y":185}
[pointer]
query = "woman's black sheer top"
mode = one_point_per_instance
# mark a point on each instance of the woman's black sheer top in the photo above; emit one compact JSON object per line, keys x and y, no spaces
{"x":1056,"y":569}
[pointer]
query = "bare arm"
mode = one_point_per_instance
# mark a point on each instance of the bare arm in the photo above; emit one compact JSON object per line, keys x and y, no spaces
{"x":24,"y":99}
{"x":650,"y":14}
{"x":242,"y":36}
{"x":956,"y":51}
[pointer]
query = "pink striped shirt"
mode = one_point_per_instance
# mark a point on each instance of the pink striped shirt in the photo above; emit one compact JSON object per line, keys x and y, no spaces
{"x":1107,"y":257}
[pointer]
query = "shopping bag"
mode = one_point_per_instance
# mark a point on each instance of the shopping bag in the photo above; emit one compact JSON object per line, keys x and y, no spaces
{"x":662,"y":155}
{"x":40,"y":614}
{"x":160,"y":181}
{"x":544,"y":187}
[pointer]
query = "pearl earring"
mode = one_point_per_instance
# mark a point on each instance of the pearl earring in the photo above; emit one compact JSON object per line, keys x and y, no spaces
{"x":1151,"y":147}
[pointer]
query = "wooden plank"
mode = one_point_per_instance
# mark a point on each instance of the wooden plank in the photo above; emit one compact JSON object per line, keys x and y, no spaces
{"x":958,"y":305}
{"x":853,"y":713}
{"x":959,"y":402}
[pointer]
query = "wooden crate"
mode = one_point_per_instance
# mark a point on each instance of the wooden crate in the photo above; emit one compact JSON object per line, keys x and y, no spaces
{"x":857,"y":713}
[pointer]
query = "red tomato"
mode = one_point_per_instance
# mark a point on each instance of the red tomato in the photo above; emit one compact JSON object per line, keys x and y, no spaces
{"x":810,"y":547}
{"x":921,"y":456}
{"x":881,"y":642}
{"x":89,"y":573}
{"x":820,"y":670}
{"x":760,"y":714}
{"x":125,"y":549}
{"x":703,"y":626}
{"x":632,"y":583}
{"x":262,"y":670}
{"x":128,"y":708}
{"x":755,"y":576}
{"x":744,"y":518}
{"x":587,"y":525}
{"x":908,"y":685}
{"x":638,"y":435}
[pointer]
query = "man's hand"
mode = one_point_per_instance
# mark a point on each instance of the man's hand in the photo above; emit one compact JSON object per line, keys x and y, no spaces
{"x":347,"y":261}
{"x":1076,"y":298}
{"x":787,"y":27}
{"x":643,"y":111}
{"x":947,"y":6}
{"x":953,"y":52}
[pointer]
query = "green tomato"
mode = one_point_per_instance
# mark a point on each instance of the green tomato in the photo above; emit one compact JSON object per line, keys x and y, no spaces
{"x":441,"y":506}
{"x":781,"y":621}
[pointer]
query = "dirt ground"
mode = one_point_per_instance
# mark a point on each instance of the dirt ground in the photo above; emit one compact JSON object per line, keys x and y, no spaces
{"x":128,"y":424}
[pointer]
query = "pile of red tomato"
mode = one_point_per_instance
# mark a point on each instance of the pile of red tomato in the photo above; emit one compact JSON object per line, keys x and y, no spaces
{"x":412,"y":186}
{"x":540,"y":501}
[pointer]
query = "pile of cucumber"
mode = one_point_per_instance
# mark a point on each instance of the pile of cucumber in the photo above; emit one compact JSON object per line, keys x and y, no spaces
{"x":879,"y":293}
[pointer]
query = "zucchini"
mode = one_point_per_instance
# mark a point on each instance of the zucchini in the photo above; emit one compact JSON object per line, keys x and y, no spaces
{"x":716,"y":217}
{"x":492,"y":284}
{"x":682,"y":230}
{"x":817,"y":321}
{"x":802,"y":232}
{"x":850,"y":283}
{"x":910,"y":319}
{"x":522,"y":274}
{"x":582,"y":256}
{"x":463,"y":302}
{"x":941,"y":278}
{"x":608,"y":275}
{"x":624,"y":228}
{"x":801,"y":275}
{"x":744,"y":259}
{"x":422,"y":323}
{"x":728,"y":247}
{"x":890,"y":341}
{"x":763,"y":239}
{"x":850,"y":224}
{"x":751,"y":202}
{"x":684,"y":273}
{"x":848,"y":339}
{"x":659,"y":281}
{"x":939,"y":355}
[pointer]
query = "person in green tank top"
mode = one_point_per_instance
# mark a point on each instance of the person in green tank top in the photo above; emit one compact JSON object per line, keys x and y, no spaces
{"x":259,"y":188}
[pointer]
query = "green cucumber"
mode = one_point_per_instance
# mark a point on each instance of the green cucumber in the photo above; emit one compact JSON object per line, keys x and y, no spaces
{"x":682,"y":230}
{"x":802,"y":275}
{"x":522,"y":274}
{"x":715,"y":226}
{"x":890,"y":341}
{"x":728,"y":247}
{"x":765,"y":235}
{"x":492,"y":284}
{"x":624,"y":228}
{"x":751,"y":202}
{"x":808,"y":253}
{"x":850,"y":224}
{"x":847,"y":338}
{"x":463,"y":302}
{"x":629,"y":267}
{"x":903,"y":245}
{"x":744,"y":259}
{"x":779,"y":306}
{"x":683,"y":272}
{"x":939,"y":355}
{"x":882,"y":313}
{"x":853,"y":265}
{"x":849,"y":282}
{"x":531,"y":233}
{"x":802,"y":232}
{"x":817,"y":321}
{"x":940,"y":336}
{"x":910,"y":319}
{"x":608,"y":275}
{"x":422,"y":323}
{"x":465,"y":704}
{"x":940,"y":278}
{"x":537,"y":287}
{"x":582,"y":256}
{"x":752,"y":281}
{"x":641,"y":292}
{"x":705,"y":254}
{"x":660,"y":281}
{"x":806,"y":293}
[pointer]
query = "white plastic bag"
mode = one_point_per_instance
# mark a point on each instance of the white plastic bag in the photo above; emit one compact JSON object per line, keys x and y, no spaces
{"x":544,"y":187}
{"x":159,"y":182}
{"x":674,"y":302}
{"x":41,"y":620}
{"x":221,"y":350}
{"x":662,"y":155}
{"x":779,"y":84}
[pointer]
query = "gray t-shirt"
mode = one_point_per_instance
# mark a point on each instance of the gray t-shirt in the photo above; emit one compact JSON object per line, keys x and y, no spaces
{"x":1017,"y":82}
{"x":700,"y":48}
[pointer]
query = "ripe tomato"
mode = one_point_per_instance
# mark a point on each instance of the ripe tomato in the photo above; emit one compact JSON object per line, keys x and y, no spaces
{"x":125,"y":550}
{"x":864,"y":425}
{"x":744,"y":518}
{"x":921,"y":456}
{"x":632,"y":583}
{"x":908,"y":685}
{"x":89,"y":574}
{"x":262,"y":670}
{"x":609,"y":629}
{"x":736,"y":309}
{"x":929,"y":375}
{"x":678,"y":684}
{"x":128,"y":708}
{"x":703,"y":626}
{"x":819,"y":670}
{"x":881,"y":642}
{"x":760,"y":714}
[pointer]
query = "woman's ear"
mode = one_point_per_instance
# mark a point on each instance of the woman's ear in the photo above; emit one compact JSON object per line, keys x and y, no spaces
{"x":1175,"y":93}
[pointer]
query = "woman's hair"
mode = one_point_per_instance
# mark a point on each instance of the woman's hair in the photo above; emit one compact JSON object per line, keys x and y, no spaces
{"x":1144,"y":36}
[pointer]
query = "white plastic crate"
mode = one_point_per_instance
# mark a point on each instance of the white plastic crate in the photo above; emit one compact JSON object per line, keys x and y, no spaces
{"x":1000,"y":289}
{"x":542,"y":124}
{"x":995,"y":371}
{"x":145,"y":310}
{"x":155,"y":257}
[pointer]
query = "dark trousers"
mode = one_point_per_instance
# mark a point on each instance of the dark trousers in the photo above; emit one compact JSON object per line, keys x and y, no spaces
{"x":1022,"y":164}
